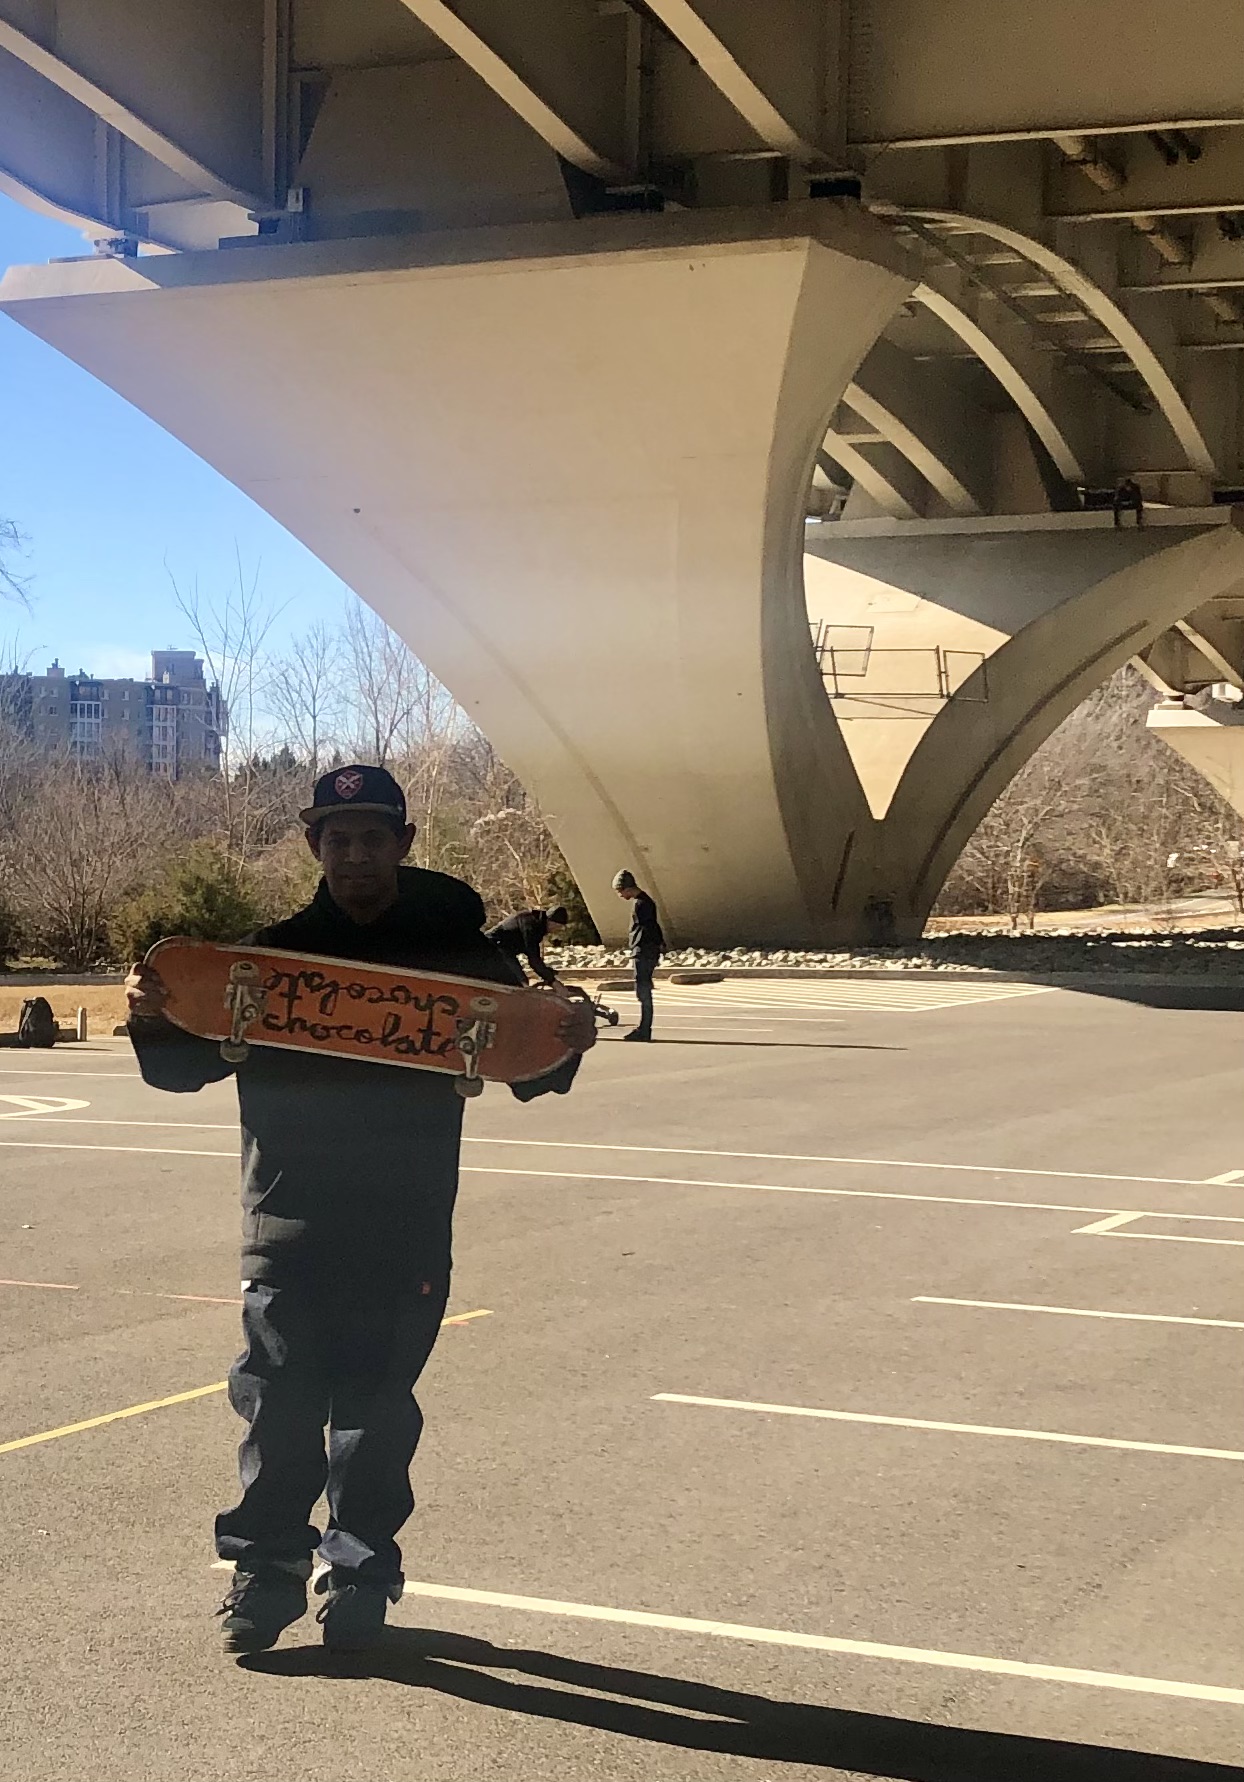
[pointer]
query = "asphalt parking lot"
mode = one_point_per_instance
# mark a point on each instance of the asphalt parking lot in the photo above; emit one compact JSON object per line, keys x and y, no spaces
{"x":846,"y":1385}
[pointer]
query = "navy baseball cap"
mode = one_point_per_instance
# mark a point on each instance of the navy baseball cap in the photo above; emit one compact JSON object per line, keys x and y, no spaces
{"x":356,"y":788}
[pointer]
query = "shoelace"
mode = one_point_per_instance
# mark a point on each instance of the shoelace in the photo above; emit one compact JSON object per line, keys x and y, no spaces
{"x":335,"y":1594}
{"x":235,"y":1597}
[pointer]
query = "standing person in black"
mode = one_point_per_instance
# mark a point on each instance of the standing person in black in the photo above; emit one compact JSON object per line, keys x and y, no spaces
{"x":519,"y":938}
{"x":349,"y":1173}
{"x":647,"y":946}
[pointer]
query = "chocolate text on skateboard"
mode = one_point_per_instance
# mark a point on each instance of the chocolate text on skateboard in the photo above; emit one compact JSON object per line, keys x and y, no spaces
{"x":393,"y":1019}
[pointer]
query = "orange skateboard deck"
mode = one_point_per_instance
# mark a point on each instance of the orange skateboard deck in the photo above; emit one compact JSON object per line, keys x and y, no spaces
{"x":255,"y":996}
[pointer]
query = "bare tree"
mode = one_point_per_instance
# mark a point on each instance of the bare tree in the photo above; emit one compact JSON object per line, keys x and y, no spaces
{"x":14,"y":584}
{"x":384,"y":686}
{"x":232,"y":630}
{"x":1104,"y":813}
{"x":305,"y":694}
{"x":72,"y":854}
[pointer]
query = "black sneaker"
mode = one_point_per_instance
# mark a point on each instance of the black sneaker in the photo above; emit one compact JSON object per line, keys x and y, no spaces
{"x":353,"y":1612}
{"x":259,"y":1607}
{"x":637,"y":1033}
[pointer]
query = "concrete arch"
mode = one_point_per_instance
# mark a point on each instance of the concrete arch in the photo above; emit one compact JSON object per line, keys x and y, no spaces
{"x":1077,"y":284}
{"x":930,"y":423}
{"x":1108,"y":596}
{"x":1022,"y":389}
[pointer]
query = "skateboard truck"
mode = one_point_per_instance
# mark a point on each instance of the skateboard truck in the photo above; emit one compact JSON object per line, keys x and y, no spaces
{"x":474,"y":1038}
{"x":244,"y":998}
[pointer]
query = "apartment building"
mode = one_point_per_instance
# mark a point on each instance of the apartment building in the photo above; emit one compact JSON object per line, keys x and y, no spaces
{"x":173,"y":722}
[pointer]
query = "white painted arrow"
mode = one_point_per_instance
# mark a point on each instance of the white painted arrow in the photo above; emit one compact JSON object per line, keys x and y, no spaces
{"x":23,"y":1106}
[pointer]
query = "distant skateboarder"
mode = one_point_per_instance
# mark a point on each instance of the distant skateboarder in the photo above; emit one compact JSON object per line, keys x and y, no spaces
{"x":647,"y":946}
{"x":520,"y":936}
{"x":1128,"y":499}
{"x":349,"y":1173}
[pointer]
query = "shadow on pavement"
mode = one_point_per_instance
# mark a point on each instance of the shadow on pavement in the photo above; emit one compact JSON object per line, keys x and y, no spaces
{"x":1192,"y":970}
{"x":738,"y":1725}
{"x":1166,"y":996}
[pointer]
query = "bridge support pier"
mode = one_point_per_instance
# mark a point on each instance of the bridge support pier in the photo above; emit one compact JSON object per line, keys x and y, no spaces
{"x":568,"y":463}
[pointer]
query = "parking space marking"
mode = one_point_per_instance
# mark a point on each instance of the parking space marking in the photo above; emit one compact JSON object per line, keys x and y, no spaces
{"x":1101,"y":1226}
{"x":1171,"y":1237}
{"x":871,"y":1649}
{"x":50,"y":1286}
{"x":479,"y":1169}
{"x":864,"y":995}
{"x":987,"y":1169}
{"x":131,"y":1150}
{"x":1229,"y":1179}
{"x":974,"y":1429}
{"x":154,"y":1404}
{"x":1113,"y":1228}
{"x":1007,"y":1305}
{"x":103,"y":1076}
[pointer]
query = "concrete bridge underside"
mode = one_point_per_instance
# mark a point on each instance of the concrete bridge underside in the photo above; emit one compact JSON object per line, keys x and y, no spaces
{"x":573,"y":472}
{"x":563,"y":332}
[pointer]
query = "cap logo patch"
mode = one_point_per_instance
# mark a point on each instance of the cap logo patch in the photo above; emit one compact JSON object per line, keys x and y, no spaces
{"x":348,"y":785}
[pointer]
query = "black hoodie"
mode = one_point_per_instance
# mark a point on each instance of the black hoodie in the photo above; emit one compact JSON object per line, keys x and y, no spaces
{"x":349,"y":1167}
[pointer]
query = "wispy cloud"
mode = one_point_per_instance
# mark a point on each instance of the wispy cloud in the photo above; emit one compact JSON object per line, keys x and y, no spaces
{"x":111,"y":662}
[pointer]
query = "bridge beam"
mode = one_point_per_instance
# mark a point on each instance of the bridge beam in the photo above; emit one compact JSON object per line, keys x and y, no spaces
{"x":128,"y":67}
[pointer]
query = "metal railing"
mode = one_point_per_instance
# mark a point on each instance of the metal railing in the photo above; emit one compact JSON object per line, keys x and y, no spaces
{"x":879,"y":682}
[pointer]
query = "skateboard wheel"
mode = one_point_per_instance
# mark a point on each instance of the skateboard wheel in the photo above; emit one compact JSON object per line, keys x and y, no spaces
{"x":483,"y":1005}
{"x":469,"y":1087}
{"x":234,"y":1054}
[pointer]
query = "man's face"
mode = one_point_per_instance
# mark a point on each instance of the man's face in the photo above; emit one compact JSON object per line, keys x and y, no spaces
{"x":627,"y":892}
{"x":360,"y":853}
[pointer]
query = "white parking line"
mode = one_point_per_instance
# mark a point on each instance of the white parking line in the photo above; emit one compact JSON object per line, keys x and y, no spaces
{"x":872,"y":1649}
{"x":976,"y":1429}
{"x":1101,"y":1226}
{"x":131,"y":1150}
{"x":986,"y":1169}
{"x":483,"y":1169}
{"x":1229,"y":1178}
{"x":1171,"y":1237}
{"x":1007,"y":1305}
{"x":111,"y":1076}
{"x":949,"y":1200}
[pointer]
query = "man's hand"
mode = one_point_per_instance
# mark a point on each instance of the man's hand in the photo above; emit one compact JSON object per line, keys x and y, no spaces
{"x":578,"y":1027}
{"x":146,"y":993}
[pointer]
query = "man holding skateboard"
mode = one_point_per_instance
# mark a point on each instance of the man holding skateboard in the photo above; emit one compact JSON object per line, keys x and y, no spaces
{"x":349,"y":1173}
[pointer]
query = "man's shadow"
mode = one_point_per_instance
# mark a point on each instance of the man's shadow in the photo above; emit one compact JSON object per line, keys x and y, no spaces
{"x":735,"y":1724}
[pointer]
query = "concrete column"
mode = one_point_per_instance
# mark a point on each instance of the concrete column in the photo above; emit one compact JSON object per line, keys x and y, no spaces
{"x":568,"y":464}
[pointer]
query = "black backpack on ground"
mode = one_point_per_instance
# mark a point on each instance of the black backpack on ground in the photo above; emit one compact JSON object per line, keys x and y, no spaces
{"x":36,"y":1025}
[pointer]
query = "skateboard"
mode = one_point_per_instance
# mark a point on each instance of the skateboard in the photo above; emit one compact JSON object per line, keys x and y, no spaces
{"x":468,"y":1028}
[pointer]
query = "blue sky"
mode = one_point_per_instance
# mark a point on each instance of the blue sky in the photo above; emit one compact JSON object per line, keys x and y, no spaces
{"x":110,"y":503}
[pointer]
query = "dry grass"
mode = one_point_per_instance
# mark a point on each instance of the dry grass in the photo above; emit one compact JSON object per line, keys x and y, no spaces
{"x":104,"y":1005}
